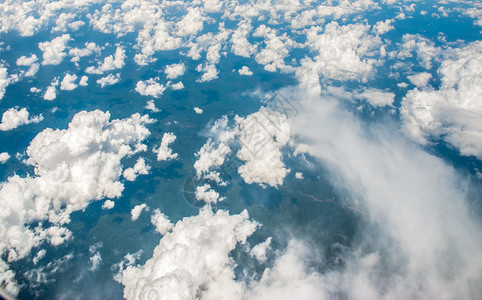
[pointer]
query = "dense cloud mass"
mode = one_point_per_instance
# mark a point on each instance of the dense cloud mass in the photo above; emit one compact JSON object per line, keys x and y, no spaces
{"x":357,"y":120}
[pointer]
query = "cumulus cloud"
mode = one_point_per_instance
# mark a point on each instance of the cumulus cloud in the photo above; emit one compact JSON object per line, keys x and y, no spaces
{"x":90,"y":48}
{"x":210,"y":156}
{"x":108,"y":204}
{"x":152,"y":106}
{"x":161,"y":222}
{"x":177,"y":86}
{"x":259,"y":251}
{"x":299,"y":175}
{"x":198,"y":110}
{"x":108,"y":80}
{"x":4,"y":156}
{"x":111,"y":62}
{"x":13,"y":118}
{"x":54,"y":51}
{"x":51,"y":92}
{"x":452,"y":112}
{"x":137,"y":210}
{"x":5,"y":80}
{"x":192,"y":260}
{"x":191,"y":23}
{"x":206,"y":194}
{"x":262,"y":135}
{"x":420,"y":80}
{"x":377,"y":98}
{"x":72,"y":167}
{"x":342,"y":52}
{"x":245,"y":71}
{"x":29,"y":62}
{"x":140,"y":168}
{"x":83,"y":81}
{"x":175,"y":70}
{"x":150,"y":87}
{"x":68,"y":83}
{"x":164,"y":152}
{"x":382,"y":27}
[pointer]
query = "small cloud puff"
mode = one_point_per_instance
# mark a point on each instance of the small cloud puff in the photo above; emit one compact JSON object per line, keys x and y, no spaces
{"x":13,"y":118}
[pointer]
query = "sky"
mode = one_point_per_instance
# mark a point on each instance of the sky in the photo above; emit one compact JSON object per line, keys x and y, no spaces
{"x":241,"y":149}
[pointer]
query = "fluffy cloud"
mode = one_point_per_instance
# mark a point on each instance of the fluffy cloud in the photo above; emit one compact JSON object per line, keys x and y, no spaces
{"x":150,"y":87}
{"x":161,"y":222}
{"x":4,"y":156}
{"x":198,"y":110}
{"x":108,"y":204}
{"x":245,"y":71}
{"x":13,"y":118}
{"x":72,"y":167}
{"x":262,"y":135}
{"x":137,"y":210}
{"x":342,"y":52}
{"x":210,"y":156}
{"x":206,"y":194}
{"x":177,"y":86}
{"x":30,"y":62}
{"x":5,"y":80}
{"x":175,"y":70}
{"x":164,"y":152}
{"x":68,"y":83}
{"x":51,"y":92}
{"x":420,"y":80}
{"x":140,"y":168}
{"x":90,"y":48}
{"x":83,"y":81}
{"x":377,"y":98}
{"x":452,"y":112}
{"x":110,"y":63}
{"x":108,"y":80}
{"x":152,"y":106}
{"x":54,"y":51}
{"x":191,"y":23}
{"x":192,"y":260}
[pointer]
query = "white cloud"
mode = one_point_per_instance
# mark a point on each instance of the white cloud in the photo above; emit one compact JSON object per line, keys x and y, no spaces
{"x":277,"y":48}
{"x":83,"y":81}
{"x":191,"y":23}
{"x":5,"y":80}
{"x":210,"y":157}
{"x":111,"y":62}
{"x":198,"y":110}
{"x":30,"y":62}
{"x":192,"y":260}
{"x":35,"y":90}
{"x":210,"y":72}
{"x":245,"y":71}
{"x":452,"y":112}
{"x":382,"y":27}
{"x":259,"y":251}
{"x":206,"y":194}
{"x":299,"y":175}
{"x":95,"y":261}
{"x":177,"y":86}
{"x":4,"y":156}
{"x":425,"y":50}
{"x":262,"y":136}
{"x":68,"y":83}
{"x":344,"y":52}
{"x":150,"y":88}
{"x":51,"y":92}
{"x":164,"y":152}
{"x":72,"y":167}
{"x":90,"y":48}
{"x":108,"y":204}
{"x":152,"y":106}
{"x":108,"y":80}
{"x":413,"y":201}
{"x":161,"y":222}
{"x":13,"y":118}
{"x":54,"y":51}
{"x":377,"y":98}
{"x":240,"y":44}
{"x":137,"y":210}
{"x":175,"y":70}
{"x":420,"y":80}
{"x":140,"y":168}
